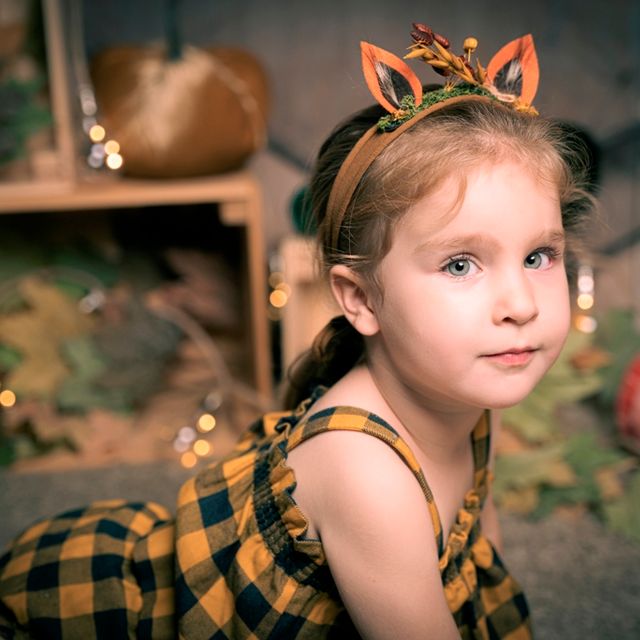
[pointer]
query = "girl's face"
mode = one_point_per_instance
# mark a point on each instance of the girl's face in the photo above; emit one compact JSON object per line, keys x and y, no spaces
{"x":475,"y":307}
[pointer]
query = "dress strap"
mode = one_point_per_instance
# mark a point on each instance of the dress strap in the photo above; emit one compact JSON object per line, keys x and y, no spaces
{"x":481,"y":444}
{"x":355,"y":419}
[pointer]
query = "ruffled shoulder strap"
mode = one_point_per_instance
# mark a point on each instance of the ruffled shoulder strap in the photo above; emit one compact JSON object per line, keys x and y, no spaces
{"x":481,"y":443}
{"x":356,"y":419}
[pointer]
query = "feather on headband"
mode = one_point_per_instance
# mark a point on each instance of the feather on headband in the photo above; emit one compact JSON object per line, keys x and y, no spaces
{"x":511,"y":78}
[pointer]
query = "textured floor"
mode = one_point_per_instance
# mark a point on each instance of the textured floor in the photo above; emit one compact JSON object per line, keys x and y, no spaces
{"x":582,"y":581}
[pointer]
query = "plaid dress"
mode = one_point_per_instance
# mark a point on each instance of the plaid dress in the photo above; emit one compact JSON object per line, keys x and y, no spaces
{"x":234,"y":562}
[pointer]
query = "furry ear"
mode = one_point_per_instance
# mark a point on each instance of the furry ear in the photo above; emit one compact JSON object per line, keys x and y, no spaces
{"x":514,"y":69}
{"x":388,"y":77}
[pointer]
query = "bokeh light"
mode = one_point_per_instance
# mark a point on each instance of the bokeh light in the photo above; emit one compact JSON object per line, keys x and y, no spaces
{"x":7,"y":398}
{"x":206,"y":422}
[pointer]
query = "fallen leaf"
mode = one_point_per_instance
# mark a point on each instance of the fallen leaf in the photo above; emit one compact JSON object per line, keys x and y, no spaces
{"x":623,"y":515}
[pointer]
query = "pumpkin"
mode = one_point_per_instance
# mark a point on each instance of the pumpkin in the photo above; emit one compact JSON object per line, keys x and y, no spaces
{"x":628,"y":406}
{"x":201,"y":113}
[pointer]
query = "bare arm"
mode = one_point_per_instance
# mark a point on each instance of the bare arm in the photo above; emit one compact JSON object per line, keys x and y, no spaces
{"x":378,"y":537}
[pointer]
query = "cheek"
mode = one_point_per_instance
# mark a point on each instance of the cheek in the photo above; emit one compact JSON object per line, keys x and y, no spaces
{"x":558,"y":315}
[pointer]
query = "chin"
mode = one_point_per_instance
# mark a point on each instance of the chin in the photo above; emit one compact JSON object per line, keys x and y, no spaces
{"x":507,"y":398}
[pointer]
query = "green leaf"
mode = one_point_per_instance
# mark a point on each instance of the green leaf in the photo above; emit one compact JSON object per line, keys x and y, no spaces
{"x":618,"y":335}
{"x":7,"y":454}
{"x":586,"y":454}
{"x":9,"y":358}
{"x":519,"y":470}
{"x":623,"y":515}
{"x":534,"y":418}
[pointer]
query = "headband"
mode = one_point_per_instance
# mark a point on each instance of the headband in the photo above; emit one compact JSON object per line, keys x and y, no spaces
{"x":511,"y":78}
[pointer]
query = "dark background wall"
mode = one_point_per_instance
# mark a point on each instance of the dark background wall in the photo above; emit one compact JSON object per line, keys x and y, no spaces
{"x":589,"y":53}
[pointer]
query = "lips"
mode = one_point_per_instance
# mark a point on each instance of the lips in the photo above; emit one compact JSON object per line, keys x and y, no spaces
{"x":512,"y":357}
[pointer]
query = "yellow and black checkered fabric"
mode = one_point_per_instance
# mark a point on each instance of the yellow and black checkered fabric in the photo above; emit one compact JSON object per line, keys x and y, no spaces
{"x":236,"y":564}
{"x":97,"y":572}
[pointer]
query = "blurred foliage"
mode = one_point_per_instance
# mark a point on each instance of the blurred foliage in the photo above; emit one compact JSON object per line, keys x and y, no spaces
{"x":21,"y":115}
{"x":618,"y":335}
{"x":549,"y":461}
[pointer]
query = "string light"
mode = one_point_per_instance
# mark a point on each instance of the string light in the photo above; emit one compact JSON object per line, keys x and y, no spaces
{"x":188,"y":459}
{"x":586,"y":324}
{"x":213,"y":400}
{"x":279,"y":295}
{"x":278,"y":298}
{"x":114,"y":161}
{"x":111,"y":146}
{"x":191,"y":442}
{"x":106,"y":155}
{"x":7,"y":398}
{"x":275,"y":278}
{"x":201,"y":448}
{"x":585,"y":300}
{"x":97,"y":133}
{"x":206,"y":422}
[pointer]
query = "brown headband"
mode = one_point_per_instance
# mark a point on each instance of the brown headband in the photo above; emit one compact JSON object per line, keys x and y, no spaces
{"x":361,"y":157}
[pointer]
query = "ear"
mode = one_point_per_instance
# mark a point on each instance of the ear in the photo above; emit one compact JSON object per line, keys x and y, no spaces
{"x":514,"y":69}
{"x":388,"y":77}
{"x":353,"y":296}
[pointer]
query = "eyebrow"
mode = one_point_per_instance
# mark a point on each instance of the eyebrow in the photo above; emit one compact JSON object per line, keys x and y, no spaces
{"x":478,"y":240}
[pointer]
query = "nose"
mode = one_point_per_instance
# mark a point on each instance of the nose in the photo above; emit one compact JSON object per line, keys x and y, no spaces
{"x":515,"y":300}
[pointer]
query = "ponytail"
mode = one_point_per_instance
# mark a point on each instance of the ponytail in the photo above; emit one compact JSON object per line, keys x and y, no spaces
{"x":334,"y":352}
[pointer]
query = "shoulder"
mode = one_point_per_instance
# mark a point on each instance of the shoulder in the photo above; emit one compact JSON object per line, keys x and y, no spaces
{"x":341,"y":473}
{"x":371,"y":515}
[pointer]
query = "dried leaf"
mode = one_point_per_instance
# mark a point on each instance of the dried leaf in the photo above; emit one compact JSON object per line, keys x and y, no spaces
{"x":523,"y":501}
{"x":36,"y":334}
{"x":609,"y":483}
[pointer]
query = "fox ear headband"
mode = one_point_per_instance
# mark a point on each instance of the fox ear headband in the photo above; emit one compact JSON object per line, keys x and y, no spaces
{"x":511,"y":78}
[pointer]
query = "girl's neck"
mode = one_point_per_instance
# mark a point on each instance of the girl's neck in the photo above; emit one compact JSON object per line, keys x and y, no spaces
{"x":440,"y":431}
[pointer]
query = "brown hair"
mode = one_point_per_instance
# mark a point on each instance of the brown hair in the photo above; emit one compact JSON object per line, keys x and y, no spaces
{"x":452,"y":141}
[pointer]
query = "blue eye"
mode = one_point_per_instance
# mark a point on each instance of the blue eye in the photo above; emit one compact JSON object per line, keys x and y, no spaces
{"x":459,"y":267}
{"x":537,"y":260}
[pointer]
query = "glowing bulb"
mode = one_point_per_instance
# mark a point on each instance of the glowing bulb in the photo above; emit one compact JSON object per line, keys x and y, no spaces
{"x":111,"y":146}
{"x":187,"y":434}
{"x":213,"y":400}
{"x":585,"y":283}
{"x":206,"y":422}
{"x":189,"y":459}
{"x":275,"y":278}
{"x":285,"y":288}
{"x":278,"y":298}
{"x":585,"y":301}
{"x":94,"y":162}
{"x":201,"y":447}
{"x":586,"y":324}
{"x":180,"y":445}
{"x":97,"y":133}
{"x":7,"y":398}
{"x":114,"y":161}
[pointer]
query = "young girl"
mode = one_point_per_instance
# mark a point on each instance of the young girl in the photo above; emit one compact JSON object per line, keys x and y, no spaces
{"x":366,"y":511}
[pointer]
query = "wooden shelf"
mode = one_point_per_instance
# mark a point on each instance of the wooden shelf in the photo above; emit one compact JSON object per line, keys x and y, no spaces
{"x":237,"y":197}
